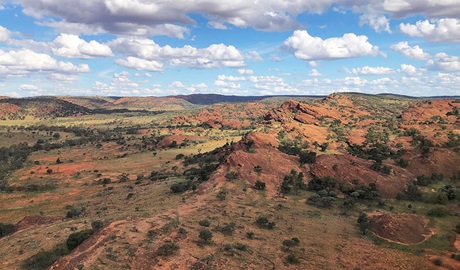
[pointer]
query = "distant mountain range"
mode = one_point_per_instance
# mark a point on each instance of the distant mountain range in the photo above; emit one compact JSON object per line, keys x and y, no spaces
{"x":61,"y":106}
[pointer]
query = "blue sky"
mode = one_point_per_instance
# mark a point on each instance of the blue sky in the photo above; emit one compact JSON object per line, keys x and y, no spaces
{"x":153,"y":47}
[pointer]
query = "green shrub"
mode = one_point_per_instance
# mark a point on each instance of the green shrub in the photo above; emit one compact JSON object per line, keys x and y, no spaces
{"x":228,"y":228}
{"x":438,"y":211}
{"x":75,"y":239}
{"x":204,"y":223}
{"x":222,"y":194}
{"x":259,"y":185}
{"x":307,"y":157}
{"x":205,"y":235}
{"x":167,"y":249}
{"x":289,"y":243}
{"x":6,"y":229}
{"x":44,"y":259}
{"x":231,"y":176}
{"x":97,"y":225}
{"x":264,"y":222}
{"x":363,"y":222}
{"x":75,"y":212}
{"x":241,"y":247}
{"x":292,"y":259}
{"x":180,"y":187}
{"x":437,"y":261}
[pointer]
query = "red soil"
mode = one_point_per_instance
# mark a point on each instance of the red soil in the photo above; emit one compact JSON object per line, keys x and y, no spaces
{"x":440,"y":160}
{"x":402,"y":228}
{"x":30,"y":221}
{"x":7,"y":109}
{"x":350,"y":167}
{"x":166,"y":141}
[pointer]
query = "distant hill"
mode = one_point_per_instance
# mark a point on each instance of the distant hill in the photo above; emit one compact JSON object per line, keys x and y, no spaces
{"x":208,"y":99}
{"x":62,"y":106}
{"x":151,"y":103}
{"x":44,"y":107}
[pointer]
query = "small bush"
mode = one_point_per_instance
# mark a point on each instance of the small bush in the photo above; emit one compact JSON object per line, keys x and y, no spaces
{"x":231,"y":176}
{"x":307,"y":157}
{"x":258,"y":169}
{"x":289,"y":243}
{"x":363,"y":222}
{"x":222,"y":195}
{"x":263,"y":222}
{"x":75,"y":239}
{"x":6,"y":229}
{"x":181,"y":186}
{"x":292,"y":259}
{"x":437,"y":261}
{"x":205,"y":235}
{"x":167,"y":249}
{"x":151,"y":234}
{"x":259,"y":185}
{"x":97,"y":225}
{"x":228,"y":228}
{"x":75,"y":212}
{"x":241,"y":247}
{"x":204,"y":223}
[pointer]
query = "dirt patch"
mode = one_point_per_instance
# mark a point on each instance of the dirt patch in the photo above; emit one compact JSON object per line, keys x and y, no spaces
{"x":8,"y":109}
{"x":30,"y":221}
{"x":168,"y":140}
{"x":403,"y":228}
{"x":440,"y":160}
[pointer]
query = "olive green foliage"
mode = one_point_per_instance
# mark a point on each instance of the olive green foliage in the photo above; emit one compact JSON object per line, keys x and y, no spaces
{"x":205,"y":235}
{"x":264,"y":222}
{"x":167,"y":249}
{"x":75,"y":239}
{"x":292,"y":183}
{"x":363,"y":223}
{"x":259,"y":185}
{"x":204,"y":223}
{"x":6,"y":229}
{"x":45,"y":258}
{"x":292,"y":259}
{"x":438,"y":211}
{"x":96,"y":225}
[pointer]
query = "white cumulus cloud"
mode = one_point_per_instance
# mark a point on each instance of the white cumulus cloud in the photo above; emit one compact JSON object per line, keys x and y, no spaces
{"x":243,"y":71}
{"x":4,"y":34}
{"x":377,"y":22}
{"x":442,"y":30}
{"x":315,"y":73}
{"x":72,"y":46}
{"x":444,"y":62}
{"x":25,"y":62}
{"x":367,"y":70}
{"x":214,"y":56}
{"x":413,"y":52}
{"x":306,"y":47}
{"x":409,"y":70}
{"x":140,"y":64}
